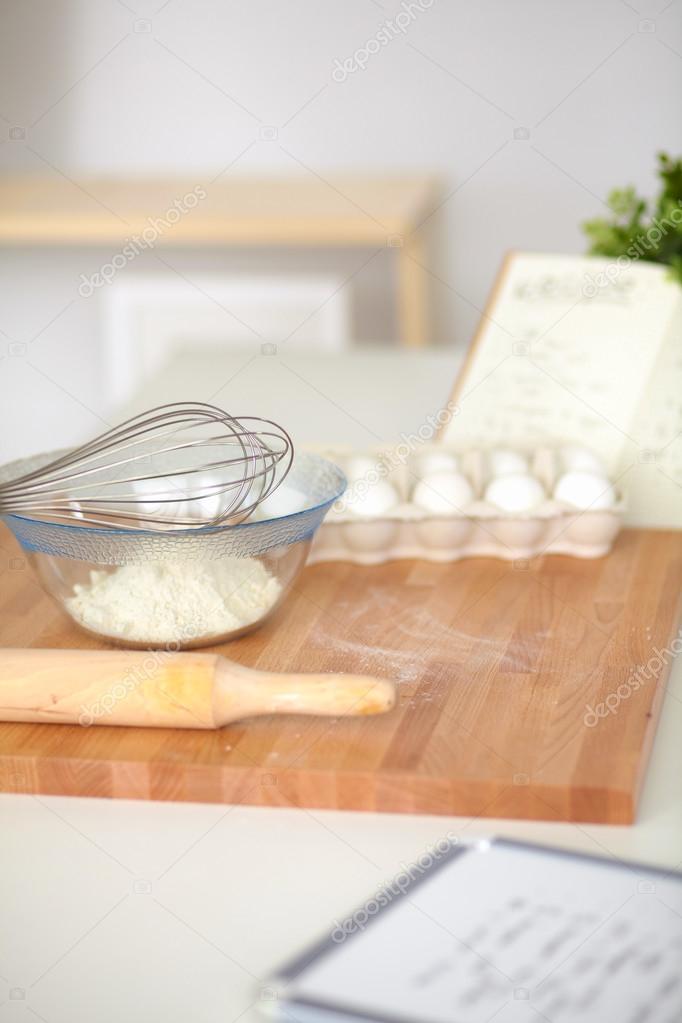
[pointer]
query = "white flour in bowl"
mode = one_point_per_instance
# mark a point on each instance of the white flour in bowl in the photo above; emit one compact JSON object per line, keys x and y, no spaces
{"x":174,"y":603}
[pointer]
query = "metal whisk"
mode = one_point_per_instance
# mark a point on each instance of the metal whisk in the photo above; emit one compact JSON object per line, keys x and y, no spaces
{"x":178,"y":465}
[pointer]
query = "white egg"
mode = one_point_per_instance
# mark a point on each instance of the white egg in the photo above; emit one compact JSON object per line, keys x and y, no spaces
{"x":76,"y":509}
{"x":214,"y":501}
{"x":515,"y":492}
{"x":360,"y":466}
{"x":283,"y":501}
{"x":576,"y":457}
{"x":446,"y":493}
{"x":585,"y":490}
{"x":503,"y":461}
{"x":148,"y":493}
{"x":178,"y":497}
{"x":436,"y":461}
{"x":374,"y":499}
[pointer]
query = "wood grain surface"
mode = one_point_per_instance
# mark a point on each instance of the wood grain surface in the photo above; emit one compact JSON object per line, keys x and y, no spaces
{"x":497,"y":664}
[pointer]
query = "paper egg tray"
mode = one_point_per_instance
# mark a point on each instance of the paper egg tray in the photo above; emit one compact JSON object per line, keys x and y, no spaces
{"x":479,"y":530}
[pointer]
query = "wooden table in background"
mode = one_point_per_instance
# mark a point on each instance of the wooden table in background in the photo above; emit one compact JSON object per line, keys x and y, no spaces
{"x":310,"y":211}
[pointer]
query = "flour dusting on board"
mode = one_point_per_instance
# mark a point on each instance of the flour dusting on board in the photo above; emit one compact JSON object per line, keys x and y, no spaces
{"x":384,"y":636}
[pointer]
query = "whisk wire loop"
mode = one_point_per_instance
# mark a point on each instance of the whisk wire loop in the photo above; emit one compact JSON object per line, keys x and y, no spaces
{"x":177,"y":465}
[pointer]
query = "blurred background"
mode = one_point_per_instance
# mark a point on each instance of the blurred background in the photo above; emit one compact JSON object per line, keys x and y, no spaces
{"x":267,"y":202}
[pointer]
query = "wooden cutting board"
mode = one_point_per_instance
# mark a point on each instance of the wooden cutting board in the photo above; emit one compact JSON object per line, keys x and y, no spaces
{"x":497,"y":665}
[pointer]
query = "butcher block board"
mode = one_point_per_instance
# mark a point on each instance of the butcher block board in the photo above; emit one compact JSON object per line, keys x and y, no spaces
{"x":497,"y":664}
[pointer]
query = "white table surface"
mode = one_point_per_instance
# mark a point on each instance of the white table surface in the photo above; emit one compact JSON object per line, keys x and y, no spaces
{"x":114,"y":910}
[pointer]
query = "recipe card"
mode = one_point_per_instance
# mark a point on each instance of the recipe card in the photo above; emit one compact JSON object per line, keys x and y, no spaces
{"x":583,"y":350}
{"x":506,"y":931}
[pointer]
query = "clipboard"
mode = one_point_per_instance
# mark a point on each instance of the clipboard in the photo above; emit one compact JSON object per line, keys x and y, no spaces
{"x":499,"y":930}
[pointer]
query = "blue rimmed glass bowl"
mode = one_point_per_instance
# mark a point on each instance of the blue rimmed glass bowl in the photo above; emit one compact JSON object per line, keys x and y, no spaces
{"x":184,"y":588}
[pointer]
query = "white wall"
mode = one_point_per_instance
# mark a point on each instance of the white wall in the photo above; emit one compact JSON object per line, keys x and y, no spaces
{"x":597,"y":89}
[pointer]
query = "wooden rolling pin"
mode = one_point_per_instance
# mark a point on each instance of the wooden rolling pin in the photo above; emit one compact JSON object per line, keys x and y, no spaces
{"x":169,"y":690}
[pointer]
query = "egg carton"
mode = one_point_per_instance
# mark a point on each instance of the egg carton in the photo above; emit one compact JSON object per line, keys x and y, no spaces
{"x":361,"y":529}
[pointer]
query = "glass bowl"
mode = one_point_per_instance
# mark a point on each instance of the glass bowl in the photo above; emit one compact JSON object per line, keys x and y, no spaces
{"x":180,"y":588}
